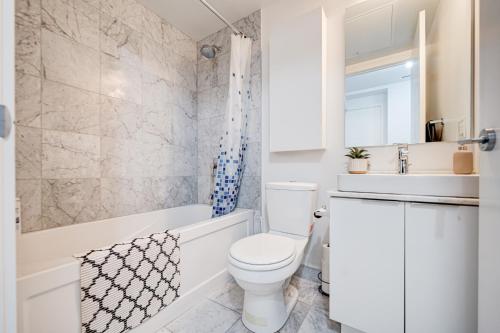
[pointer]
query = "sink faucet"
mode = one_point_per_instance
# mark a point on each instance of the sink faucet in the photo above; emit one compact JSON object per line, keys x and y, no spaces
{"x":403,"y":159}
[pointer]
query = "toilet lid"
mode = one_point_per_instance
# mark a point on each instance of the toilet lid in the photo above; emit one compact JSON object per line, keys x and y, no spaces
{"x":263,"y":249}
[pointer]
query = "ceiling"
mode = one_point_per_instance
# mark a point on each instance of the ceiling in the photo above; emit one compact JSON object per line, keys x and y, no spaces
{"x":195,"y":20}
{"x":376,"y":28}
{"x":377,"y":78}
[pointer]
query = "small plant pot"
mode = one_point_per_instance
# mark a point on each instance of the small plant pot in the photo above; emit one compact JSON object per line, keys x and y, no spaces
{"x":358,"y":166}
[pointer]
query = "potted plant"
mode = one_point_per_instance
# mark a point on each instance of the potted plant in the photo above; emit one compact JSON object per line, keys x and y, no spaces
{"x":358,"y":160}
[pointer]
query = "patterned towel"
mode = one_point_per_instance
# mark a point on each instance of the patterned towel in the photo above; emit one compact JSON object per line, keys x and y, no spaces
{"x":125,"y":284}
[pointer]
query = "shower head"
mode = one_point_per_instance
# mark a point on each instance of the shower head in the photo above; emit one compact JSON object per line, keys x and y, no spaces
{"x":209,"y":51}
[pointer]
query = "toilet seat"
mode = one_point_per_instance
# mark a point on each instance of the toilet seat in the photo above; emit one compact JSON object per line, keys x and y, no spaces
{"x":263,"y":252}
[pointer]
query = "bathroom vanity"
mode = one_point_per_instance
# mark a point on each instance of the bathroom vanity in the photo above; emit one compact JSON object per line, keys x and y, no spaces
{"x":404,"y":262}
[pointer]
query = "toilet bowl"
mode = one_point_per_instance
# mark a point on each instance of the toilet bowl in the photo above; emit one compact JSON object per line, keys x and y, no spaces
{"x":263,"y":264}
{"x":264,"y":278}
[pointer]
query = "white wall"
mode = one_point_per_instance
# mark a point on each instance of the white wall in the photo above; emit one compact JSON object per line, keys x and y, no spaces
{"x":398,"y":118}
{"x":399,"y":112}
{"x":323,"y":166}
{"x":366,"y":118}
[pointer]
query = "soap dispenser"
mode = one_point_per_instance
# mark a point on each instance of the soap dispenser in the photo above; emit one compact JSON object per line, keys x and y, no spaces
{"x":463,"y":161}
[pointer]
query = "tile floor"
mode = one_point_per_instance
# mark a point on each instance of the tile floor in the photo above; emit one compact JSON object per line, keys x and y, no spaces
{"x":221,"y":312}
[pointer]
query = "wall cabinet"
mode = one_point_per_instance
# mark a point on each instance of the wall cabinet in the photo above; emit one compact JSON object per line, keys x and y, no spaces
{"x":403,"y":267}
{"x":297,"y":83}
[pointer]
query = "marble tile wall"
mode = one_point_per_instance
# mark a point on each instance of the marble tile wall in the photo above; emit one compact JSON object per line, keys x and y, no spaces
{"x":106,"y":111}
{"x":213,"y":78}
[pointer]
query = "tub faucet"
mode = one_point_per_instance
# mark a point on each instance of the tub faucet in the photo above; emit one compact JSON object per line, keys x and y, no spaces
{"x":403,"y":159}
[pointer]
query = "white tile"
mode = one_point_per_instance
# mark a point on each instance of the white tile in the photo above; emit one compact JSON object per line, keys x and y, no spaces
{"x":185,"y":162}
{"x":75,"y":20}
{"x":120,"y":79}
{"x":28,"y":152}
{"x":249,"y":196}
{"x":178,"y":41}
{"x":69,"y":201}
{"x":212,"y":102}
{"x":183,"y":69}
{"x":183,"y":191}
{"x":28,"y":13}
{"x":123,"y":158}
{"x":70,"y":155}
{"x":318,"y":321}
{"x":308,"y":273}
{"x":307,"y":289}
{"x":210,"y":130}
{"x":121,"y":196}
{"x":207,"y":155}
{"x":162,"y":192}
{"x":256,"y":91}
{"x":231,"y":297}
{"x":28,"y":50}
{"x":28,"y":22}
{"x":238,"y":327}
{"x":321,"y":302}
{"x":158,"y":93}
{"x":205,"y":188}
{"x":120,"y":119}
{"x":254,"y":129}
{"x":69,"y":62}
{"x":30,"y":193}
{"x":28,"y":104}
{"x":253,"y":160}
{"x":222,"y":69}
{"x":296,"y":318}
{"x":256,"y":64}
{"x":152,"y":26}
{"x":250,"y":25}
{"x":184,"y":129}
{"x":207,"y":74}
{"x":158,"y":126}
{"x":120,"y":41}
{"x":206,"y":317}
{"x":163,"y":330}
{"x":66,"y":108}
{"x":221,"y":39}
{"x":154,"y":60}
{"x":129,"y":12}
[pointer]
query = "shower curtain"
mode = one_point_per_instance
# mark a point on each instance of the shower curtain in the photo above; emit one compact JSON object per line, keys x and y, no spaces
{"x":231,"y":158}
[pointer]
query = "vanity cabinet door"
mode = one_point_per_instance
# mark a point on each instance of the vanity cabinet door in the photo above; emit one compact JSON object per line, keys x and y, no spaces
{"x":367,"y":264}
{"x":441,"y":268}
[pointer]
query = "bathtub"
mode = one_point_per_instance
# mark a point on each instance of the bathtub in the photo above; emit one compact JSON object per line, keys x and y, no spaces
{"x":49,"y":277}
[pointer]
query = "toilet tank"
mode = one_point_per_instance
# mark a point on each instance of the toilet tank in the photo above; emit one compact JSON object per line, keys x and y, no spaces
{"x":290,"y":207}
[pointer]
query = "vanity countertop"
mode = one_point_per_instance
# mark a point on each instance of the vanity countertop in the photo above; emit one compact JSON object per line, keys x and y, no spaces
{"x":405,"y":197}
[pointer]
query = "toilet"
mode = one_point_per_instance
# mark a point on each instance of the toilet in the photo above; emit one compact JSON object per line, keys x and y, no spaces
{"x":263,"y":264}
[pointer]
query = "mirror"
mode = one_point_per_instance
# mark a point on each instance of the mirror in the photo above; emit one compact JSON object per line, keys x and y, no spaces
{"x":409,"y":71}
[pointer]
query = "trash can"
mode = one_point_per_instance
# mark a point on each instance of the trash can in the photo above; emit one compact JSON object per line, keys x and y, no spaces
{"x":324,"y":276}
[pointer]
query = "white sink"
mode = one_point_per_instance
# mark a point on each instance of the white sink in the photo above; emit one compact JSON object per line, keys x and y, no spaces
{"x":446,"y":185}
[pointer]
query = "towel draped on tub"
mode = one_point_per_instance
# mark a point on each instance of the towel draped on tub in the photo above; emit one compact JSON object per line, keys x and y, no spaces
{"x":125,"y":284}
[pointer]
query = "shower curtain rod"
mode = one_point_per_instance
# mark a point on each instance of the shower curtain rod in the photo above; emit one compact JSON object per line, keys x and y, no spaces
{"x":213,"y":10}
